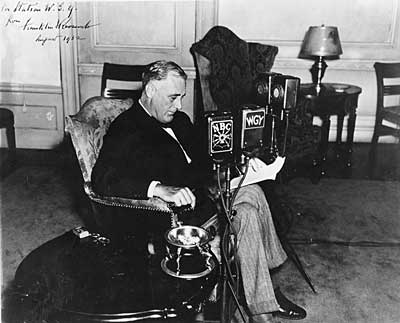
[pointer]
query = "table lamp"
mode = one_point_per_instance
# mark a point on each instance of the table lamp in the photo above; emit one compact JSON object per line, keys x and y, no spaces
{"x":320,"y":43}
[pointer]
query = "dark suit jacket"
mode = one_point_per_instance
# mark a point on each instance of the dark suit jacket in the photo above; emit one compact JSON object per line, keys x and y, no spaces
{"x":137,"y":150}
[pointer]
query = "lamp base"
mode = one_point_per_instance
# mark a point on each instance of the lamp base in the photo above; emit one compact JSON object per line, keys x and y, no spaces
{"x":317,"y":72}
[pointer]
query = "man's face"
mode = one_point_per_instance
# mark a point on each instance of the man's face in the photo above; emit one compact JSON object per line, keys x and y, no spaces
{"x":167,"y":97}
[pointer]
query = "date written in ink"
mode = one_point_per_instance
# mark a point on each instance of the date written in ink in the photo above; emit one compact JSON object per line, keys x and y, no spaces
{"x":67,"y":39}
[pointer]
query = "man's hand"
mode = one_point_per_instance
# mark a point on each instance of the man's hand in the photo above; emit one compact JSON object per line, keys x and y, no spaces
{"x":178,"y":195}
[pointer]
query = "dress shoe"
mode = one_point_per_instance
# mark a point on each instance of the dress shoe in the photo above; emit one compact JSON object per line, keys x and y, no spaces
{"x":287,"y":309}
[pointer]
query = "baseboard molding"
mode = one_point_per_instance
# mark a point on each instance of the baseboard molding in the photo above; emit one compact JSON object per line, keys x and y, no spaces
{"x":340,"y":65}
{"x":363,"y":131}
{"x":29,"y":88}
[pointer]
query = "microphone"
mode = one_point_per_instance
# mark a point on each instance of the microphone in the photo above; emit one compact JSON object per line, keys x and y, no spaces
{"x":278,"y":93}
{"x":220,"y":136}
{"x":283,"y":100}
{"x":262,"y":88}
{"x":252,"y":121}
{"x":284,"y":94}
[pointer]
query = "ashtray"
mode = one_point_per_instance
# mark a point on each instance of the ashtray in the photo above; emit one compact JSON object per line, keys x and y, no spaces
{"x":187,"y":236}
{"x":340,"y":87}
{"x":188,"y":254}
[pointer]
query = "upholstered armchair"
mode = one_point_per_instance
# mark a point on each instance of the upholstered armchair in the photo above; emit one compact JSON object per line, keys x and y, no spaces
{"x":302,"y":144}
{"x":87,"y":129}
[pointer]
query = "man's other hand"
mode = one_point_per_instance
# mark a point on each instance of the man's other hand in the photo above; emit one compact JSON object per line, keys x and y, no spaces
{"x":178,"y":195}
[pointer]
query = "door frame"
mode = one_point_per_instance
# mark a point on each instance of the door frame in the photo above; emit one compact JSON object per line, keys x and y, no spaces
{"x":69,"y":70}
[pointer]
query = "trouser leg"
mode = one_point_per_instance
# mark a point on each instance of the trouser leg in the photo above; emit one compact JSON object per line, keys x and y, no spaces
{"x":259,"y":249}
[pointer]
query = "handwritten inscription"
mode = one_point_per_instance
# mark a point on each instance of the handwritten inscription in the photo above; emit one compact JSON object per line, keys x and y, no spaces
{"x":34,"y":17}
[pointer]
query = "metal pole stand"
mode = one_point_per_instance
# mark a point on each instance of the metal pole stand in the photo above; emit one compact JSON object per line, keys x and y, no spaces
{"x":229,"y":280}
{"x":285,"y":242}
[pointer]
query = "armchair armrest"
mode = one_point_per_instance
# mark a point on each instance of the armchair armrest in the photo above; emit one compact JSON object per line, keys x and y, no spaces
{"x":154,"y":204}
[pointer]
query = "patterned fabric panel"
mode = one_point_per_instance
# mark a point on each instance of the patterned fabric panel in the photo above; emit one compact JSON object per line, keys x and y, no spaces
{"x":88,"y":127}
{"x":261,"y":57}
{"x":303,"y":136}
{"x":234,"y":64}
{"x":302,"y":141}
{"x":230,"y":79}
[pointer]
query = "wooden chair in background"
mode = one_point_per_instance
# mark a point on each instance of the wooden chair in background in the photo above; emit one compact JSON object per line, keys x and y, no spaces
{"x":119,"y":81}
{"x":387,"y":121}
{"x":7,"y":122}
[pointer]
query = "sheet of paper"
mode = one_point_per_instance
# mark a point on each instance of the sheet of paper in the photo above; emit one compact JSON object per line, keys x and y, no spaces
{"x":259,"y":171}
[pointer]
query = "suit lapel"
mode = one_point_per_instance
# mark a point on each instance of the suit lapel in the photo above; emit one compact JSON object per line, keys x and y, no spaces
{"x":184,"y":137}
{"x":157,"y":134}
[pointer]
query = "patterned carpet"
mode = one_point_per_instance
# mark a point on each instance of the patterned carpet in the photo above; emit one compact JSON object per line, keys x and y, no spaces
{"x":354,"y":266}
{"x":354,"y":261}
{"x":36,"y":206}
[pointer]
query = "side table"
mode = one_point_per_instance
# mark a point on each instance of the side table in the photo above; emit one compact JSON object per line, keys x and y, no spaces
{"x":96,"y":279}
{"x":333,"y":99}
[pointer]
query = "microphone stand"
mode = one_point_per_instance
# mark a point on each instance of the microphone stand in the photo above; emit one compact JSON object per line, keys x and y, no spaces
{"x":229,"y":283}
{"x":285,"y":242}
{"x":224,"y":275}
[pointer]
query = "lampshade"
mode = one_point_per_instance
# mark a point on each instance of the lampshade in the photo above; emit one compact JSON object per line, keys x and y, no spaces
{"x":321,"y":41}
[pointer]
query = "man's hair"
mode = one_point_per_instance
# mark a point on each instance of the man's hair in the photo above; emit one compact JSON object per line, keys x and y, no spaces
{"x":159,"y":71}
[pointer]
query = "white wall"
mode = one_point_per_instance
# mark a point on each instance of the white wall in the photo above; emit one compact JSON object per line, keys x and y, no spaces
{"x":30,"y":83}
{"x":369,"y":31}
{"x":23,"y":59}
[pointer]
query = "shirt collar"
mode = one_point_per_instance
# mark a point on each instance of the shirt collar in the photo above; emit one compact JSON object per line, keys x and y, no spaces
{"x":163,"y":125}
{"x":144,"y":108}
{"x":169,"y":130}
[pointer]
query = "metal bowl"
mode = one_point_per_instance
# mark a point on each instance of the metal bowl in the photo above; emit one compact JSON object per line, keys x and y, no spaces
{"x":187,"y":236}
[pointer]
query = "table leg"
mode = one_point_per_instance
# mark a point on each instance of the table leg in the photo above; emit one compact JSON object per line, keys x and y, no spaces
{"x":326,"y":123}
{"x":339,"y":130}
{"x":350,"y":136}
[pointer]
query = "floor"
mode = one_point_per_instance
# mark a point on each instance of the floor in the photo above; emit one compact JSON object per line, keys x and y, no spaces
{"x":62,"y":162}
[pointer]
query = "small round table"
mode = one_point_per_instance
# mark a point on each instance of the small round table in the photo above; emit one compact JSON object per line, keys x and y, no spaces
{"x":333,"y":99}
{"x":69,"y":279}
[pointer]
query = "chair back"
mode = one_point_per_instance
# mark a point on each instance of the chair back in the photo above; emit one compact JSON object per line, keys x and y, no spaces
{"x":88,"y":127}
{"x":226,"y":66}
{"x":119,"y":81}
{"x":388,"y":110}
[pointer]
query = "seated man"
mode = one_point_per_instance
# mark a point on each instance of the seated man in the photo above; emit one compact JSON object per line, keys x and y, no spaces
{"x":152,"y":150}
